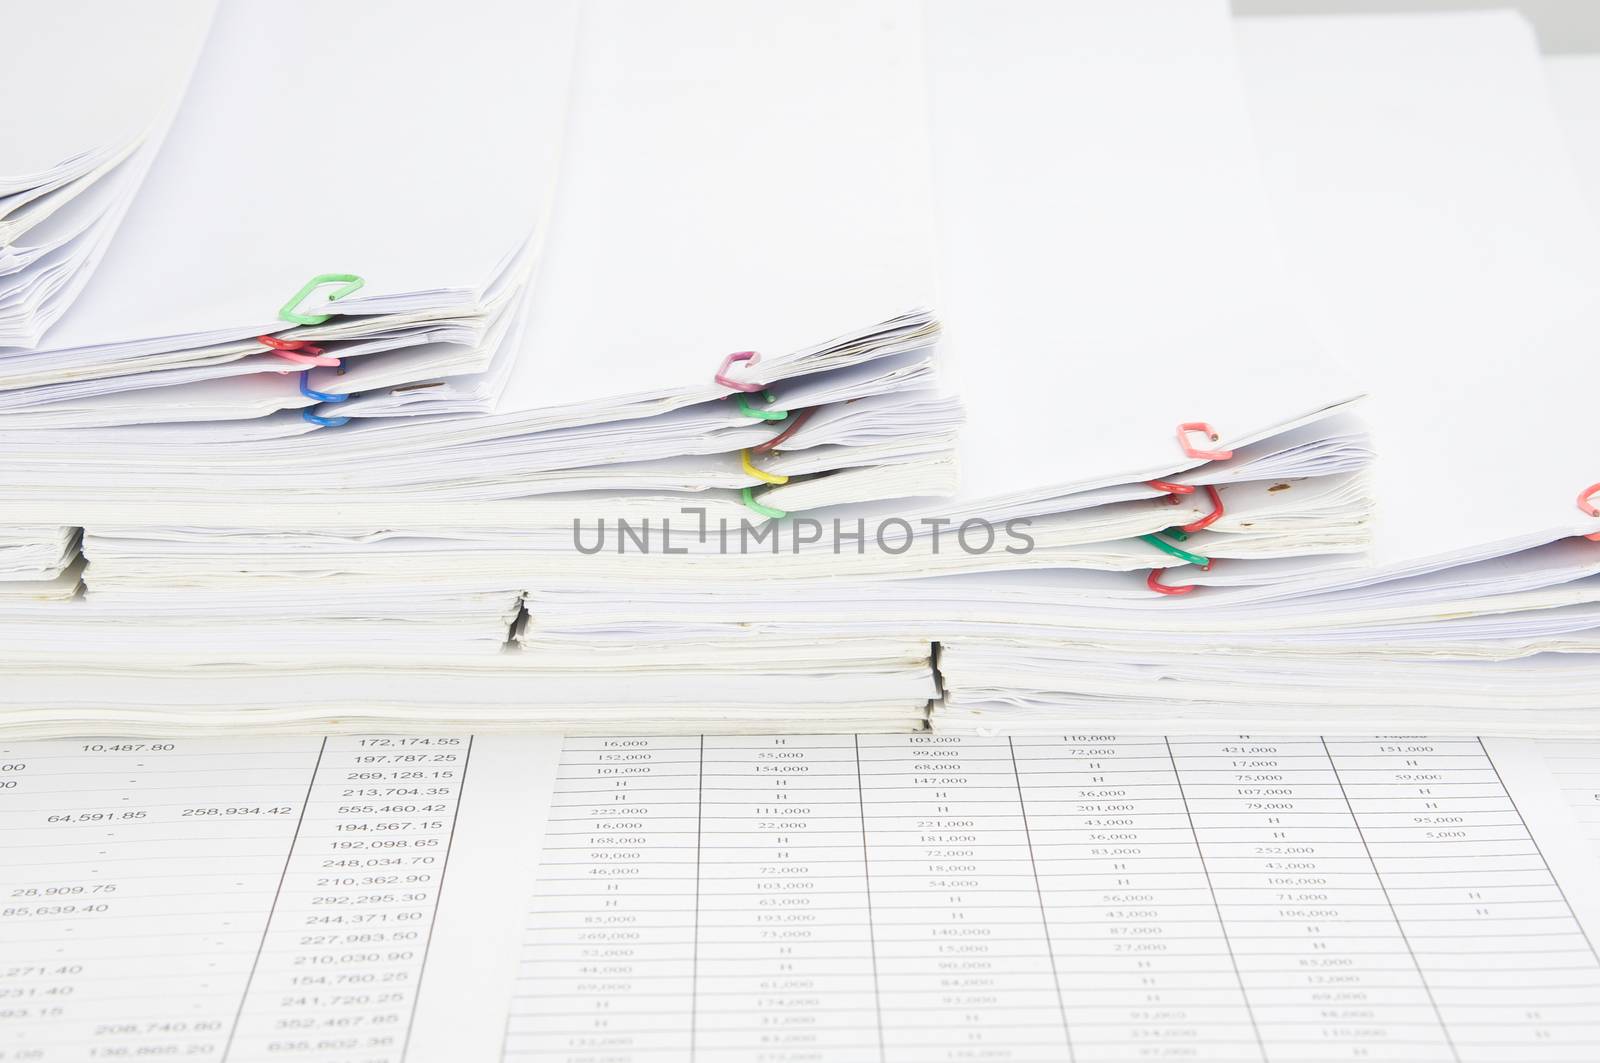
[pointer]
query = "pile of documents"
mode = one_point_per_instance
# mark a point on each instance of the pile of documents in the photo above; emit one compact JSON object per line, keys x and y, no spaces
{"x":658,"y":359}
{"x":614,"y":424}
{"x":881,"y":686}
{"x":1459,"y":282}
{"x":449,"y":372}
{"x":32,"y":555}
{"x":261,"y":175}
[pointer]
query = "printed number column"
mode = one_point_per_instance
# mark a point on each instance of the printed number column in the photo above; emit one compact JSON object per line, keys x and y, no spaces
{"x":338,"y":967}
{"x":1144,"y":965}
{"x":607,"y":966}
{"x":964,"y":964}
{"x":1509,"y":967}
{"x":785,"y":964}
{"x":1325,"y":965}
{"x":137,"y":879}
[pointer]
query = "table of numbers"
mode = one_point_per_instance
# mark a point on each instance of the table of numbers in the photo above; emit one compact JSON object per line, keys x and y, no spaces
{"x":220,"y":901}
{"x":1080,"y":898}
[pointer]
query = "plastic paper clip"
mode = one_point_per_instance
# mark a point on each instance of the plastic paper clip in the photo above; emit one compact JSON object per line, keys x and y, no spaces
{"x":1211,"y":433}
{"x":348,"y":282}
{"x":1210,"y":518}
{"x":793,"y":426}
{"x":727,"y":363}
{"x":1586,"y":503}
{"x":760,"y":474}
{"x":765,"y":415}
{"x":1172,"y":490}
{"x":1168,"y":548}
{"x":324,"y":421}
{"x":1153,"y":581}
{"x":300,"y":352}
{"x":748,"y":494}
{"x":320,"y":396}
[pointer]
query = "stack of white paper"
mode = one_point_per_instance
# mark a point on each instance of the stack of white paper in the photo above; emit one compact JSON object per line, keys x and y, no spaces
{"x":232,"y":534}
{"x":1109,"y":276}
{"x":1165,"y":504}
{"x":1169,"y":168}
{"x":821,"y":265}
{"x":36,"y":555}
{"x":90,"y":89}
{"x":292,"y":204}
{"x":1443,"y":247}
{"x":1140,"y":296}
{"x":1128,"y":357}
{"x":671,"y":248}
{"x":877,"y":685}
{"x":1112,"y":281}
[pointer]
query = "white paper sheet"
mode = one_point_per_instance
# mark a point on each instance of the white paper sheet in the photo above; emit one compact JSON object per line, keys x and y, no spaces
{"x":827,"y":898}
{"x":1575,"y":766}
{"x":1085,"y":897}
{"x":59,"y":118}
{"x":264,"y":899}
{"x":1574,"y":84}
{"x":1109,"y":270}
{"x":1431,"y":215}
{"x":74,"y":153}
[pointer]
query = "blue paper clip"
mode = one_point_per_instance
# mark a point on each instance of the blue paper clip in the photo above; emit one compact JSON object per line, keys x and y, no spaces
{"x":320,"y":396}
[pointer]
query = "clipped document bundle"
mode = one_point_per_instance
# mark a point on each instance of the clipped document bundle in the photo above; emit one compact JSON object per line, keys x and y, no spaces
{"x":1474,"y":328}
{"x":597,"y":296}
{"x":1179,"y":440}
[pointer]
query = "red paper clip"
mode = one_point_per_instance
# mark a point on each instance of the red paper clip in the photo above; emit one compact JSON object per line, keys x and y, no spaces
{"x":1210,"y":518}
{"x":300,"y":352}
{"x":1586,"y":503}
{"x":1153,"y":581}
{"x":1173,"y":490}
{"x":727,"y":363}
{"x":1211,"y":433}
{"x":795,"y":422}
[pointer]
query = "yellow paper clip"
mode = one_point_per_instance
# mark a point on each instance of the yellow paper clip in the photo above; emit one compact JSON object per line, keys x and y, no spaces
{"x":765,"y":477}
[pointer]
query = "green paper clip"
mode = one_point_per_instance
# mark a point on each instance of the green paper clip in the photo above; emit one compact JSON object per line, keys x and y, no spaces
{"x":1166,"y":547}
{"x":766,"y":511}
{"x":766,"y":415}
{"x":348,"y":282}
{"x":1176,"y":533}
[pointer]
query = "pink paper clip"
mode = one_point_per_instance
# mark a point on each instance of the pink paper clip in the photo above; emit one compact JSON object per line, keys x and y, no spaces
{"x":727,"y":363}
{"x":1586,"y":503}
{"x":1210,"y":518}
{"x":300,"y":352}
{"x":1211,"y":433}
{"x":1153,"y":581}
